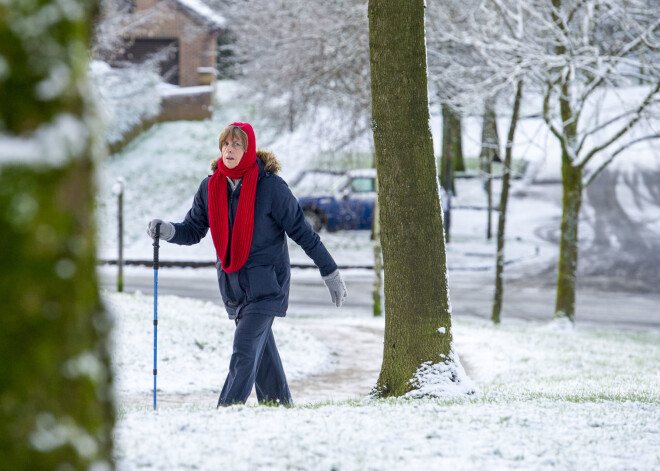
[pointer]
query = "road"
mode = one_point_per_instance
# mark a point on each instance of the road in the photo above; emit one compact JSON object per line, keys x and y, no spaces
{"x":471,"y":295}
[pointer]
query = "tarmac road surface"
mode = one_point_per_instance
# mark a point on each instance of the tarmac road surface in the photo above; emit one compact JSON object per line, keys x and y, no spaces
{"x":471,"y":295}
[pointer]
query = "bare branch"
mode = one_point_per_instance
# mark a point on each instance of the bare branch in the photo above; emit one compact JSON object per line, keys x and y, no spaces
{"x":602,"y":166}
{"x":623,"y":130}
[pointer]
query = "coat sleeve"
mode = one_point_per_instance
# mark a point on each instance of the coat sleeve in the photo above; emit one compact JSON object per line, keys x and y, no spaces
{"x":288,"y":213}
{"x":196,"y":223}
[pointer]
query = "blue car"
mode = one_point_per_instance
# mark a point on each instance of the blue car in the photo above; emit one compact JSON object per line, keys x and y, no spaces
{"x":338,"y":201}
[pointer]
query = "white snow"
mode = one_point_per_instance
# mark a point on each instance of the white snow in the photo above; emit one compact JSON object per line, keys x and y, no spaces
{"x":547,"y":400}
{"x":126,"y":96}
{"x":173,"y":90}
{"x":205,"y":11}
{"x":445,"y":378}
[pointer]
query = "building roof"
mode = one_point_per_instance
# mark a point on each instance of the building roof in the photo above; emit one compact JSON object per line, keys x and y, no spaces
{"x":201,"y":13}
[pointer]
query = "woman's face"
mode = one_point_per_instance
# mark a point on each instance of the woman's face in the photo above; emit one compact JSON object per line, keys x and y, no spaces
{"x":232,"y":151}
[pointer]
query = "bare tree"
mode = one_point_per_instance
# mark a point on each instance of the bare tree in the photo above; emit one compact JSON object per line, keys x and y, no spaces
{"x":467,"y":78}
{"x":596,"y":48}
{"x":114,"y":24}
{"x":303,"y":58}
{"x":504,"y":199}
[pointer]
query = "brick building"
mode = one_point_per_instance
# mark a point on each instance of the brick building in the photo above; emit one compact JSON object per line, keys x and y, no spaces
{"x":183,"y":32}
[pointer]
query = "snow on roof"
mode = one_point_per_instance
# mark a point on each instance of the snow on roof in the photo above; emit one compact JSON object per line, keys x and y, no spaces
{"x":202,"y":12}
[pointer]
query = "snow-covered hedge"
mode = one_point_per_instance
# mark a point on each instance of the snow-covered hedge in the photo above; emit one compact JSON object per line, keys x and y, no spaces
{"x":128,"y":97}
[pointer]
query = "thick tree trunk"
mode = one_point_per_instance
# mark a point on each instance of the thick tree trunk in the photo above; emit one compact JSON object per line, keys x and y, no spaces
{"x":490,"y":147}
{"x":568,"y":246}
{"x":418,"y":321}
{"x":504,"y":200}
{"x":55,"y":397}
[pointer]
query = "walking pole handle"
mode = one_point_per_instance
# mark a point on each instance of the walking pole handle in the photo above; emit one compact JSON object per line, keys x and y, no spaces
{"x":156,"y":246}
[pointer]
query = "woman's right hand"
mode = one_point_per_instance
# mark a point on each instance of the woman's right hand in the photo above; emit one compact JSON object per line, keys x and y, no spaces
{"x":166,"y":229}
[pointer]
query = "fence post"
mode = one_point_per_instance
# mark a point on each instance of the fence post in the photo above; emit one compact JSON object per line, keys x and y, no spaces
{"x":119,"y":191}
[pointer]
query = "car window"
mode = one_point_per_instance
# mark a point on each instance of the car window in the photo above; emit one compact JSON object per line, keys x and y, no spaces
{"x":315,"y":183}
{"x":340,"y":184}
{"x":362,"y":185}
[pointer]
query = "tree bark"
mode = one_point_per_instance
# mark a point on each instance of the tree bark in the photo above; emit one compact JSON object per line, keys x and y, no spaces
{"x":378,"y":261}
{"x":568,"y":246}
{"x":56,"y":407}
{"x":452,"y":148}
{"x":490,"y":145}
{"x":504,"y":200}
{"x":457,"y":142}
{"x":418,"y":320}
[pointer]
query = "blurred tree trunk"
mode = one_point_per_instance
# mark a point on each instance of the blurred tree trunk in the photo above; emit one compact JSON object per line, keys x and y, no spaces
{"x":490,"y":147}
{"x":418,"y":320}
{"x":378,"y":260}
{"x":452,"y":148}
{"x":56,"y":407}
{"x":504,"y":199}
{"x":457,"y":142}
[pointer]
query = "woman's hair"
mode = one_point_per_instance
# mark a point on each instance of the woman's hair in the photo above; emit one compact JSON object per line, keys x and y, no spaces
{"x":233,"y":131}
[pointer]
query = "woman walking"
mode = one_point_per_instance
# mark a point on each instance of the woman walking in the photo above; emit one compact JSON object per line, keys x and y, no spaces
{"x":250,"y":210}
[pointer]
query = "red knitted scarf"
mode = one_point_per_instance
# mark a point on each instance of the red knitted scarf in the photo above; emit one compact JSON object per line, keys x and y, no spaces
{"x":241,"y":236}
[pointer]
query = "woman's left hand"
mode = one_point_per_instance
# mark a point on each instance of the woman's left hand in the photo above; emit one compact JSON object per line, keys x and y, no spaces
{"x":336,"y":286}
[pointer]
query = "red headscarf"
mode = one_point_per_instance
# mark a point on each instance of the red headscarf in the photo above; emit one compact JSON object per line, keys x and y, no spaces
{"x":241,"y":236}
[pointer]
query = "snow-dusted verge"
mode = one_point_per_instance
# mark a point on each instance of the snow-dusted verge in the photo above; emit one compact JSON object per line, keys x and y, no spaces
{"x":585,"y":400}
{"x":127,"y":97}
{"x":194,"y":346}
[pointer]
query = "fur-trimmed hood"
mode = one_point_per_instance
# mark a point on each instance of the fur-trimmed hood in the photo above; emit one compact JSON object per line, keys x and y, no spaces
{"x":271,"y":164}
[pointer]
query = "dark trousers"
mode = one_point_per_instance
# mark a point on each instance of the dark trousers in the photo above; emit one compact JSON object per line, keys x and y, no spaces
{"x":255,"y":361}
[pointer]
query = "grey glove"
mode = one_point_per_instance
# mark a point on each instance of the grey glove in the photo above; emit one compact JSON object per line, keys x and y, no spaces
{"x":337,"y":288}
{"x":166,"y":229}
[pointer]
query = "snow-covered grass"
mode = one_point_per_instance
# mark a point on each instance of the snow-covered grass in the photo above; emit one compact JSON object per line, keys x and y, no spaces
{"x":195,"y":341}
{"x":126,"y":96}
{"x":548,"y":398}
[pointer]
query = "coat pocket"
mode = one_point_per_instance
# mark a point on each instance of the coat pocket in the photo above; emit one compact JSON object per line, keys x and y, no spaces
{"x":222,"y":284}
{"x":262,"y":282}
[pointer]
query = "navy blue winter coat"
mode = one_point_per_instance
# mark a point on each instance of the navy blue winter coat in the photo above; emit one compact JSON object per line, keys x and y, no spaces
{"x":262,"y":284}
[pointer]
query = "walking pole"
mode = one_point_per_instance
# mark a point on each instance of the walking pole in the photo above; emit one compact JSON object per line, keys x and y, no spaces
{"x":156,"y":246}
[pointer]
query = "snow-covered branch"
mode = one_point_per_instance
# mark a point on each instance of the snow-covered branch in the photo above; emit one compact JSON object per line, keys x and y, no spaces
{"x":614,"y":154}
{"x":636,"y":116}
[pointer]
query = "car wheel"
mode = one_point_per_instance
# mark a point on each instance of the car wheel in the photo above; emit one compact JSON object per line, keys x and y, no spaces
{"x":314,"y":219}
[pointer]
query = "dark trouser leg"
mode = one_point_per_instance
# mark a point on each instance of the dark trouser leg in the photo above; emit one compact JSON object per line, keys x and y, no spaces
{"x":250,"y":339}
{"x":271,"y":382}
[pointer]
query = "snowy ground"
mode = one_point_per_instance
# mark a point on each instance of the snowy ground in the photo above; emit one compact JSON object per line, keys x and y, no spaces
{"x":547,"y":399}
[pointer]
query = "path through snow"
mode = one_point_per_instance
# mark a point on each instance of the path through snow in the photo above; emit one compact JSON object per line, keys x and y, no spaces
{"x":357,"y":353}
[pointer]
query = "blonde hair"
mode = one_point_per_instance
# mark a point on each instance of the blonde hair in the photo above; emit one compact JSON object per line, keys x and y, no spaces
{"x":233,"y":131}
